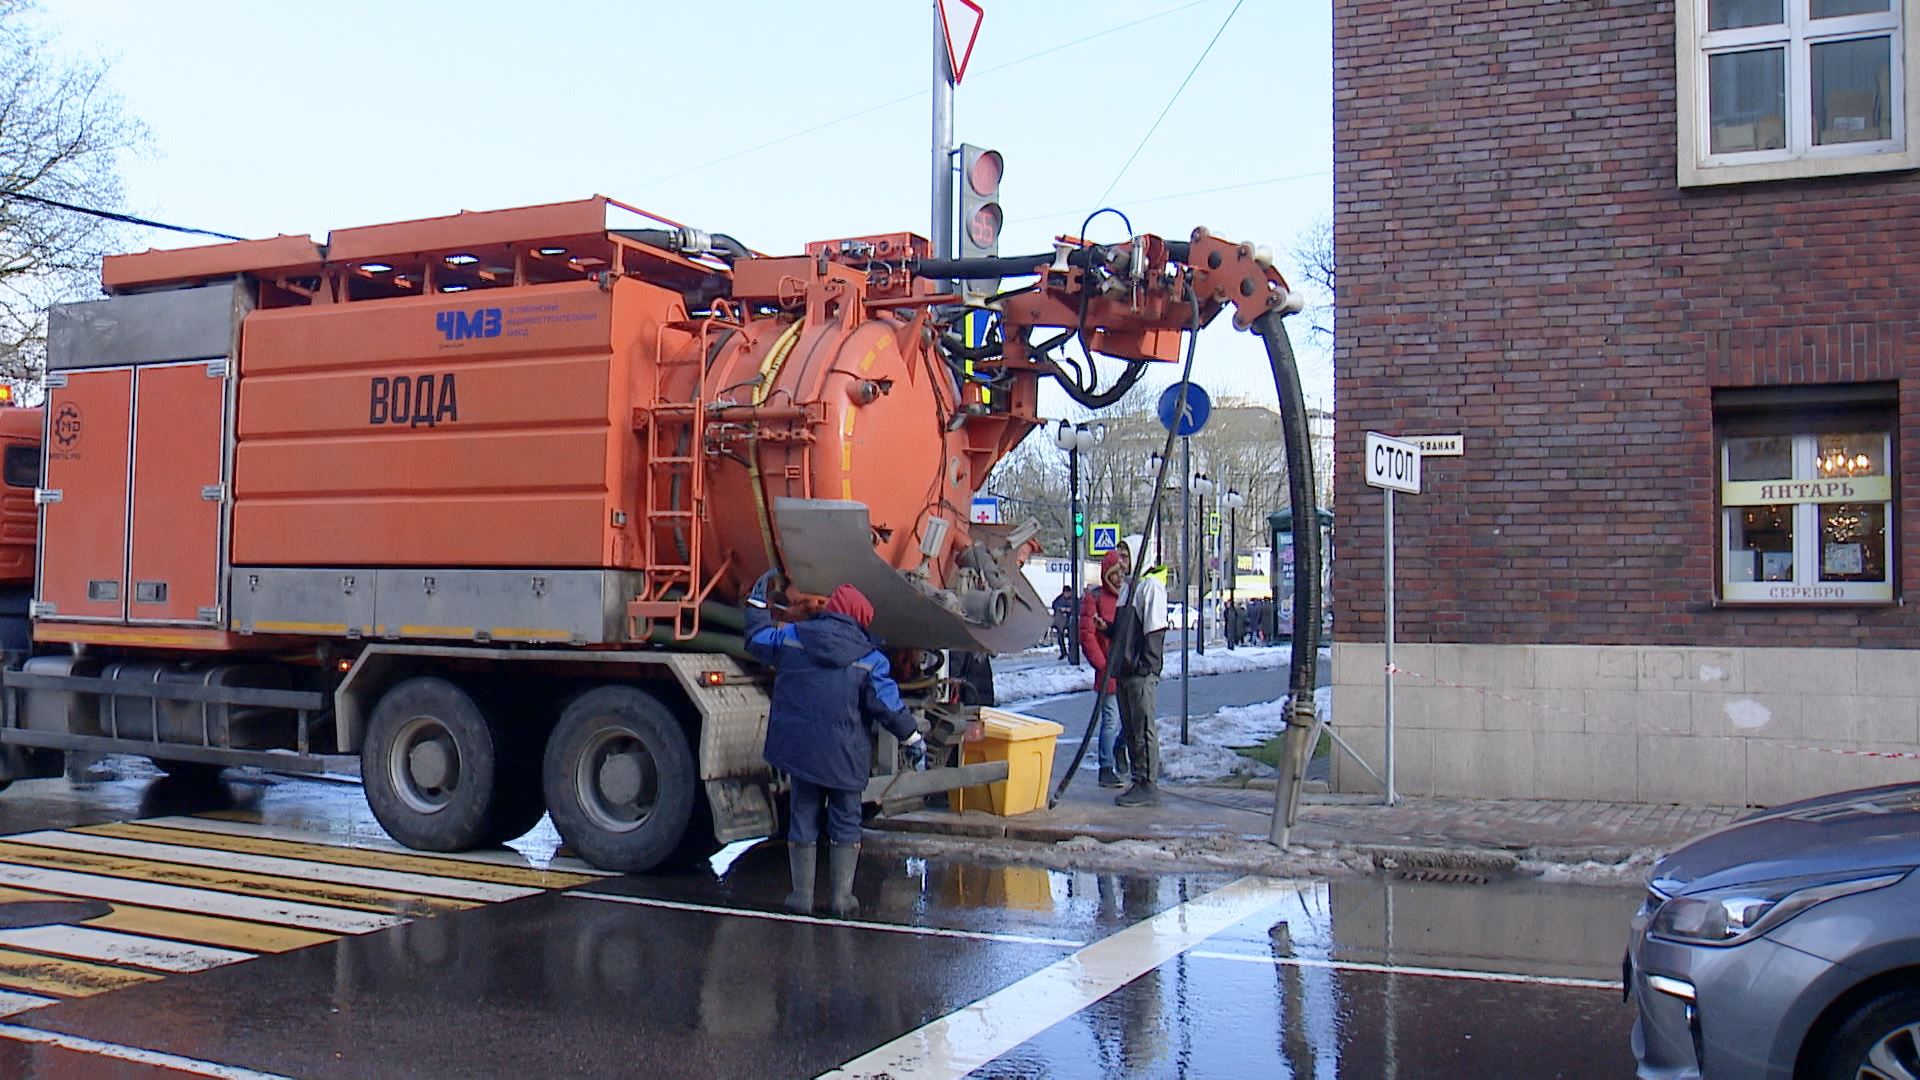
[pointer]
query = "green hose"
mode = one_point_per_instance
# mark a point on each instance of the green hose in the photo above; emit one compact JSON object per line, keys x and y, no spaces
{"x":705,"y":641}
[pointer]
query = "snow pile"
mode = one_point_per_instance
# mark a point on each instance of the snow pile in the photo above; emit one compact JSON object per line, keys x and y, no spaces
{"x":1210,"y":756}
{"x":1024,"y":684}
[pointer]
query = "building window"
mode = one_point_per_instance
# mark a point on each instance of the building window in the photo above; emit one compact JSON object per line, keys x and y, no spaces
{"x":1777,"y":89}
{"x":1807,"y":517}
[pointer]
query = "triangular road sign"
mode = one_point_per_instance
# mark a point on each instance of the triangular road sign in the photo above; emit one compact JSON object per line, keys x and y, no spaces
{"x":960,"y":19}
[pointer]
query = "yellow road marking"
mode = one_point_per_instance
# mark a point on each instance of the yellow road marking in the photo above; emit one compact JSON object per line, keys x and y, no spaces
{"x":181,"y":926}
{"x":357,"y":897}
{"x":207,"y":930}
{"x":272,"y":626}
{"x":64,"y":978}
{"x":380,"y":860}
{"x":529,"y":633}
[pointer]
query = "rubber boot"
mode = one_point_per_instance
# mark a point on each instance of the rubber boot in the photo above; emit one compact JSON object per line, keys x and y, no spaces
{"x":842,"y":859}
{"x":800,"y":864}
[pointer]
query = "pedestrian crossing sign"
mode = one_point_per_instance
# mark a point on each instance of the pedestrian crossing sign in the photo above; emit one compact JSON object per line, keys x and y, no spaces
{"x":1103,"y":538}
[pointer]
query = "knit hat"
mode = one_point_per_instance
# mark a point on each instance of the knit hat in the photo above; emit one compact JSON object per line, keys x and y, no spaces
{"x":851,"y":602}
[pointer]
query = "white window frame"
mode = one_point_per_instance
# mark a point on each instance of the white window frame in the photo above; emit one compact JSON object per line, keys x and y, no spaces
{"x":1807,"y":535}
{"x":1693,"y":42}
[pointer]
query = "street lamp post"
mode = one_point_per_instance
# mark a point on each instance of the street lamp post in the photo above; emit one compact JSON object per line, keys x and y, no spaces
{"x":1233,"y":501}
{"x":1203,"y":486}
{"x":1074,"y":438}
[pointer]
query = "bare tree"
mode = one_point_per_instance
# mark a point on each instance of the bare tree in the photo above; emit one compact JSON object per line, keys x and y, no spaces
{"x":1313,"y":258}
{"x":62,"y":134}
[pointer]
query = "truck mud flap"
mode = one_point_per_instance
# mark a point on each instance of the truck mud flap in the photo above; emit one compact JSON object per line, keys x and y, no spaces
{"x":829,"y":542}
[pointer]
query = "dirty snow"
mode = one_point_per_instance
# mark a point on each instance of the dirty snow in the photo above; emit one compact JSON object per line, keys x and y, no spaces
{"x":1015,"y":686}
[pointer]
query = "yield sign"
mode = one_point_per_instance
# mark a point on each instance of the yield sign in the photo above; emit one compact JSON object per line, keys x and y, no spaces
{"x":960,"y":19}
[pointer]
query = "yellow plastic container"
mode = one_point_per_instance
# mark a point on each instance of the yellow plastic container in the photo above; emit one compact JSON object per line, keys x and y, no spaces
{"x":1026,"y":744}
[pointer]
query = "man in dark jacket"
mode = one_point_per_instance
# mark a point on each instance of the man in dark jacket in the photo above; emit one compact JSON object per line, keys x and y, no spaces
{"x":829,"y":684}
{"x":1063,"y":618}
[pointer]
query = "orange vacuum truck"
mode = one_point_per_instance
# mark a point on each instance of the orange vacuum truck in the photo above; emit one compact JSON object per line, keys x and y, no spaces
{"x":473,"y":498}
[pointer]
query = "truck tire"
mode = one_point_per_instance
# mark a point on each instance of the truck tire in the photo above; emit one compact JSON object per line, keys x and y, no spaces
{"x":428,"y":767}
{"x":620,"y":779}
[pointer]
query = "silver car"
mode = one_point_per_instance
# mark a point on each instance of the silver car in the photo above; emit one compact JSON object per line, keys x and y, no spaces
{"x":1785,"y":945}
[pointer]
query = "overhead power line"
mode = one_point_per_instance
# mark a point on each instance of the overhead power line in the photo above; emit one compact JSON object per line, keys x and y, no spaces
{"x":114,"y":215}
{"x":871,"y":109}
{"x":1185,"y":194}
{"x":1102,"y":200}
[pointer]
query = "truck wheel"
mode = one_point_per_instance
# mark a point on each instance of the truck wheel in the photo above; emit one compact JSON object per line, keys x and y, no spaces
{"x":620,"y":779}
{"x":428,"y":767}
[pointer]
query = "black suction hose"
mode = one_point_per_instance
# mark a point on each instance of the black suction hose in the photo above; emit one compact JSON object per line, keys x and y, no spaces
{"x":1140,"y":561}
{"x":1302,"y":673}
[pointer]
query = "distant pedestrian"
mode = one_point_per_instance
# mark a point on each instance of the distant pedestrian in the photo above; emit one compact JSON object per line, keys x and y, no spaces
{"x":1063,"y":618}
{"x":1139,"y":645}
{"x":1096,"y":633}
{"x":829,"y":684}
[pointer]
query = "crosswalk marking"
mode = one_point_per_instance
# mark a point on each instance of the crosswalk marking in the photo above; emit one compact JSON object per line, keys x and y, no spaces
{"x":13,"y":1001}
{"x":67,"y":978}
{"x":187,"y":894}
{"x":86,"y":943}
{"x":236,"y":823}
{"x":400,"y":881}
{"x":257,"y":885}
{"x":410,"y":862}
{"x":173,"y":1063}
{"x":198,"y":901}
{"x":236,"y":934}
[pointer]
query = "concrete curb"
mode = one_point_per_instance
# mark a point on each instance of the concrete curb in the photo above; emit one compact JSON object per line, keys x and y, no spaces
{"x":1227,"y":849}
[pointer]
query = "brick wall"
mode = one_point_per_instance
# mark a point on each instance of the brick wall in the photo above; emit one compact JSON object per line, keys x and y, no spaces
{"x":1518,"y":263}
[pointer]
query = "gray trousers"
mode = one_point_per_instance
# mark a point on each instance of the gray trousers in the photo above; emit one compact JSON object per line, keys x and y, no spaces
{"x":1137,"y":727}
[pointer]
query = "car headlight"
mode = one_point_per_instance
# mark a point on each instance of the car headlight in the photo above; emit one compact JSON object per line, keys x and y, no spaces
{"x":1732,"y":915}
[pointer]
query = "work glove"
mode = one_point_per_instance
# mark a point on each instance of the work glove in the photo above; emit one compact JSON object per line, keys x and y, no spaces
{"x":916,"y":747}
{"x":758,"y":597}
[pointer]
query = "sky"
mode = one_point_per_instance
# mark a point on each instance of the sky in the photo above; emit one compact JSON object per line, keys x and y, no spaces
{"x":775,"y":122}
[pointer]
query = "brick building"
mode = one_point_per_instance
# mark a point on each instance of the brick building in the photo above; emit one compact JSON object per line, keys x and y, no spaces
{"x":1660,"y":266}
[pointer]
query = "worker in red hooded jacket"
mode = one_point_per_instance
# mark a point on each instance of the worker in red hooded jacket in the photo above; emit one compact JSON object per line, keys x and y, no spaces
{"x":1096,"y":638}
{"x":830,"y":684}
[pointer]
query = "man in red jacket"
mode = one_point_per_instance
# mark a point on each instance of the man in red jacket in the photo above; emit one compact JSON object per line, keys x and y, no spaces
{"x":1096,"y":635}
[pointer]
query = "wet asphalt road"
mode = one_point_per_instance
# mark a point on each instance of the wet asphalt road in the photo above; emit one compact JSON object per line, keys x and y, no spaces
{"x":953,"y":966}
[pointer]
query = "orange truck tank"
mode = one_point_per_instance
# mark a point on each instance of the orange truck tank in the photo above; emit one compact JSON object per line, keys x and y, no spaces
{"x":473,"y":497}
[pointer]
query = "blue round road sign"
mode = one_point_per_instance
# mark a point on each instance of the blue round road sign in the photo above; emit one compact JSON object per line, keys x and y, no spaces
{"x":1199,"y":407}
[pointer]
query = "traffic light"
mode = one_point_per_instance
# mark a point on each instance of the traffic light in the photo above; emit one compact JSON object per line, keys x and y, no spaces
{"x":1079,"y":524}
{"x":980,"y":214}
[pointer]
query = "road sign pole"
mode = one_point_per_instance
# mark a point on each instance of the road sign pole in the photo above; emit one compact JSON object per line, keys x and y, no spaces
{"x":1205,"y":576}
{"x":1392,"y":796}
{"x":943,"y":212}
{"x":1186,"y":580}
{"x":1073,"y":552}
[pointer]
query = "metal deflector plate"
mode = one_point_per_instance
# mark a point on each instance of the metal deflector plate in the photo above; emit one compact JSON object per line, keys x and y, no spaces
{"x":829,"y":542}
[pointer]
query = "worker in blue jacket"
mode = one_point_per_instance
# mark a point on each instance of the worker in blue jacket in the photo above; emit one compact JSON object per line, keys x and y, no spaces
{"x":829,"y":684}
